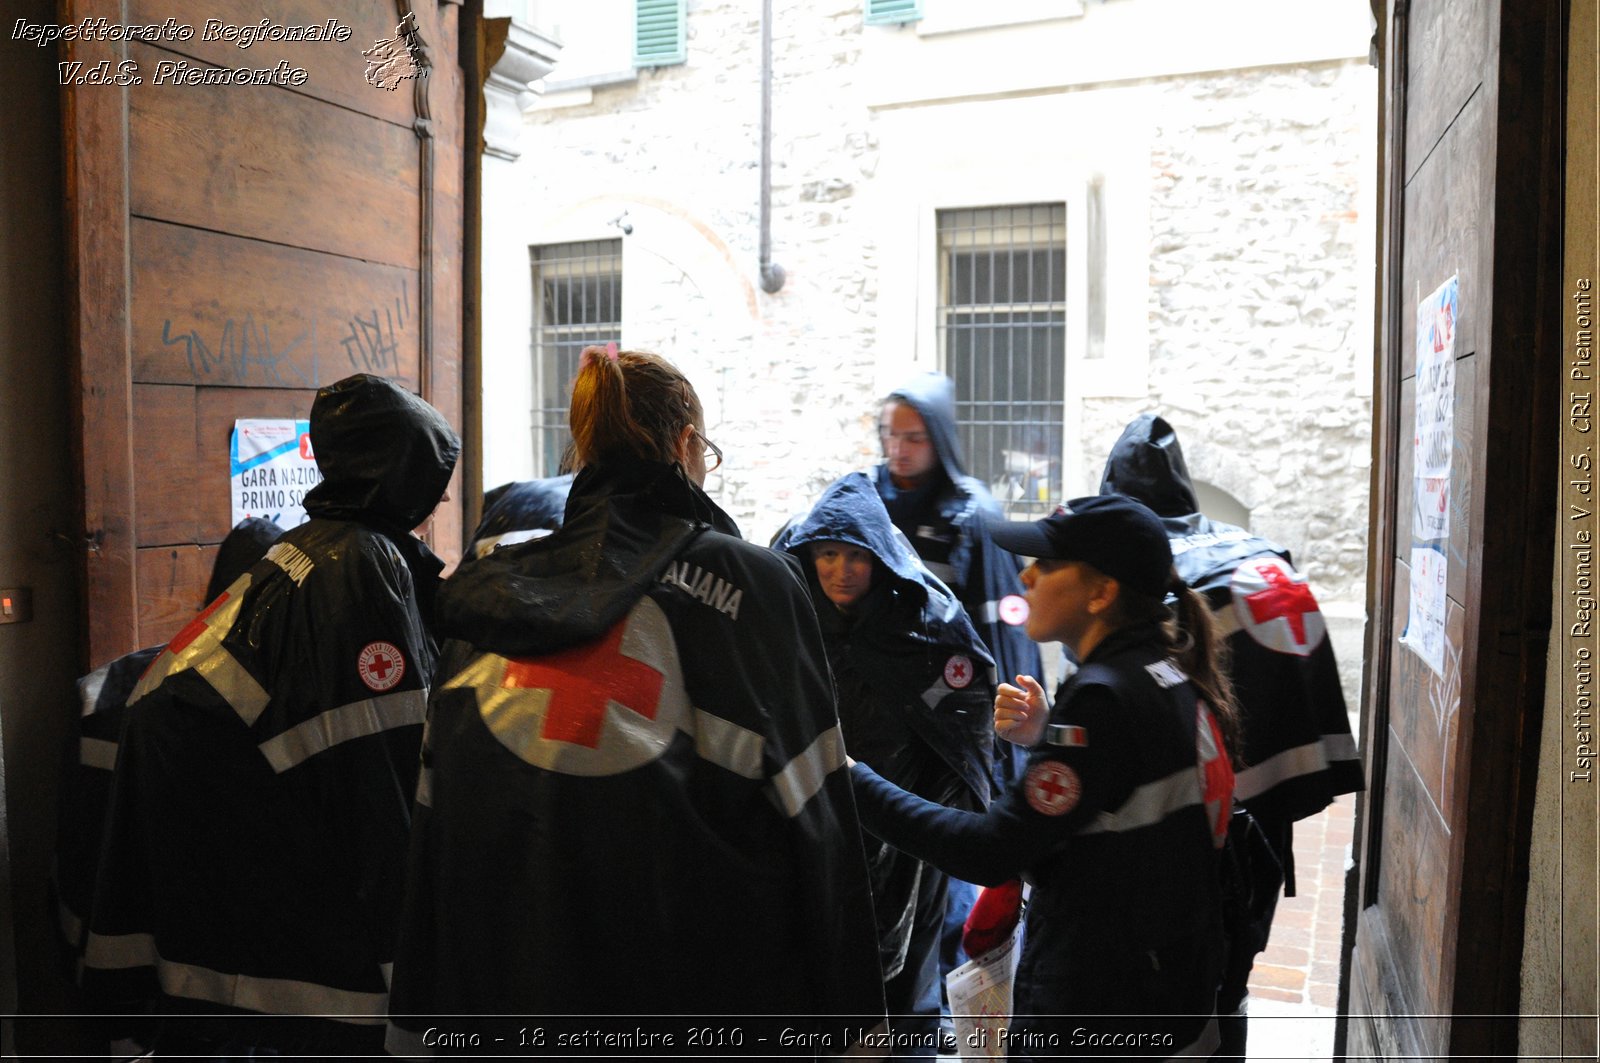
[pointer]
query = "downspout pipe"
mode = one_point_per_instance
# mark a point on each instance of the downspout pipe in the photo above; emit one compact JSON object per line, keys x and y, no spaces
{"x":771,"y":273}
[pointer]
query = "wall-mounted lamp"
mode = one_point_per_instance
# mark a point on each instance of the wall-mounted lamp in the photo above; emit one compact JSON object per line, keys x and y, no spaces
{"x":621,"y":221}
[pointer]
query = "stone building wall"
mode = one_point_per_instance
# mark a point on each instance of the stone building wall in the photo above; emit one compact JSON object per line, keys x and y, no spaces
{"x":1256,"y":300}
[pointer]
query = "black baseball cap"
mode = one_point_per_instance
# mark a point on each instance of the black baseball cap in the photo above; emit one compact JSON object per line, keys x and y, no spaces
{"x":1120,"y":537}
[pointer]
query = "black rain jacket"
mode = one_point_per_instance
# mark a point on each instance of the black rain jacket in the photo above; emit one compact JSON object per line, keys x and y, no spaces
{"x":633,"y":801}
{"x":255,"y":847}
{"x":519,"y":511}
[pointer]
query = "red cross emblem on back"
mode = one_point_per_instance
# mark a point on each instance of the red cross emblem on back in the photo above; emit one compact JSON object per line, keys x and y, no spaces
{"x":582,"y":682}
{"x":1284,"y":597}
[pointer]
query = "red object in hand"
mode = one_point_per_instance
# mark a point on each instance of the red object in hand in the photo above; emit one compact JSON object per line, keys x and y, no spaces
{"x":993,"y":917}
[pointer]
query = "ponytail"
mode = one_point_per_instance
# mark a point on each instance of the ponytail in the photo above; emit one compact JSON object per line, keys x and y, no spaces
{"x":1192,"y":640}
{"x":1204,"y":657}
{"x":629,"y":405}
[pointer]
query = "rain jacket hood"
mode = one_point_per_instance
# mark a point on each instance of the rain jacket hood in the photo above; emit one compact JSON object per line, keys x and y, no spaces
{"x":933,"y":396}
{"x":624,"y":525}
{"x":517,"y":512}
{"x":850,"y":511}
{"x":1147,"y":465}
{"x":385,"y":454}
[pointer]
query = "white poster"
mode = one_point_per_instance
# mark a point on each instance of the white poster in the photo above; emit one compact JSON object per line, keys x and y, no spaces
{"x":272,"y":469}
{"x":1435,"y":420}
{"x":1424,"y":633}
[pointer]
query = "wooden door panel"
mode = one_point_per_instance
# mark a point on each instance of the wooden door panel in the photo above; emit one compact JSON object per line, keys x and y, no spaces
{"x":340,"y":79}
{"x":1451,"y":48}
{"x":1449,"y":204}
{"x":218,"y":409}
{"x":275,"y":166}
{"x":172,"y":582}
{"x":166,"y":470}
{"x":232,"y":249}
{"x":286,"y":317}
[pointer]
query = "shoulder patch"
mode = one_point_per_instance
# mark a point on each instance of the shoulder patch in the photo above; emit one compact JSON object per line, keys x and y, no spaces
{"x":1166,"y":673}
{"x":1067,"y":735}
{"x":1274,"y":604}
{"x":958,"y":671}
{"x":1052,"y":788}
{"x":380,"y":665}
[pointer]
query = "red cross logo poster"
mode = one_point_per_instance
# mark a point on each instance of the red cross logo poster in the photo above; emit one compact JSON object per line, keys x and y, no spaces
{"x":1274,"y":604}
{"x":601,"y":708}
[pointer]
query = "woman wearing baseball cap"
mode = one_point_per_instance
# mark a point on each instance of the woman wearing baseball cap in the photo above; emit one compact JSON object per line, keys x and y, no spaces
{"x":1119,"y":819}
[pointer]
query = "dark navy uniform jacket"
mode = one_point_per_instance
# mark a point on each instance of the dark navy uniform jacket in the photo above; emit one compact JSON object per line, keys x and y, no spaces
{"x":633,"y":800}
{"x":1117,"y":821}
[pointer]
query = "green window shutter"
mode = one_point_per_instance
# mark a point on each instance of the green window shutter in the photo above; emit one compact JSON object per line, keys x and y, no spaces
{"x":885,"y":12}
{"x":658,"y":33}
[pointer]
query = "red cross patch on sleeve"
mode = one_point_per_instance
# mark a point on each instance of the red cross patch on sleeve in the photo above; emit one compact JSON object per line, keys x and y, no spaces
{"x":958,"y":671}
{"x":1052,"y":788}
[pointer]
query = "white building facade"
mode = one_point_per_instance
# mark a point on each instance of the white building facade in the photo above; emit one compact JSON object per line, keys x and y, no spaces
{"x":1080,"y":209}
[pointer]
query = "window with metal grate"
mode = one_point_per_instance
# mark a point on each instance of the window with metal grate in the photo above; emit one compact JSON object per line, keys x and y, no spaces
{"x":577,"y":301}
{"x":888,"y":12}
{"x":658,"y":33}
{"x":1002,"y":338}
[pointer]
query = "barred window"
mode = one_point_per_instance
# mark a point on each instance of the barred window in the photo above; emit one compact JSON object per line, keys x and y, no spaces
{"x":577,"y":301}
{"x":1002,"y":322}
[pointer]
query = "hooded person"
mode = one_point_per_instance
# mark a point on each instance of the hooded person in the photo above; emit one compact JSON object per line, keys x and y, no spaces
{"x":914,"y":699}
{"x":1297,"y":747}
{"x":261,"y":800}
{"x":944,"y":513}
{"x":634,"y":811}
{"x":103,"y":700}
{"x":519,"y":511}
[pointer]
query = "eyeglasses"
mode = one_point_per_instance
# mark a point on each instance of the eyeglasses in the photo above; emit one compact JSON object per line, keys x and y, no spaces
{"x":713,"y":453}
{"x":916,"y":439}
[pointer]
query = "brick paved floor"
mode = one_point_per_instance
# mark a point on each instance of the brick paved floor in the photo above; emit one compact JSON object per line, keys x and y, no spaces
{"x":1294,"y":986}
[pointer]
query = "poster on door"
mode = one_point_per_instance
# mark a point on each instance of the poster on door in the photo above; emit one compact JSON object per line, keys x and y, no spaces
{"x":1424,"y":633}
{"x":272,"y":469}
{"x":1434,"y":437}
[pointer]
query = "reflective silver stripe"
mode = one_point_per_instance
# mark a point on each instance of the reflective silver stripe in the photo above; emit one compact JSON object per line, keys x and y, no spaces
{"x":358,"y":719}
{"x":803,"y":776}
{"x":89,"y":688}
{"x":725,"y":743}
{"x":425,"y":787}
{"x":406,"y":1044}
{"x":117,"y":952}
{"x":1291,"y":763}
{"x":1204,"y":1046}
{"x":1150,"y":803}
{"x":236,"y":685}
{"x":97,"y":753}
{"x":936,"y":693}
{"x":274,"y":996}
{"x":387,"y":970}
{"x":990,"y":613}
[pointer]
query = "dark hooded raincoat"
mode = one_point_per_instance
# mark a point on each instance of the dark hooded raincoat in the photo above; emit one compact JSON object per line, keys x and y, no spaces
{"x":914,"y":700}
{"x":263,"y":788}
{"x":944,"y":520}
{"x":633,"y":805}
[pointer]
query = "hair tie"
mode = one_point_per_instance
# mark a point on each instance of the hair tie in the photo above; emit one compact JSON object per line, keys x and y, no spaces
{"x":611,"y":351}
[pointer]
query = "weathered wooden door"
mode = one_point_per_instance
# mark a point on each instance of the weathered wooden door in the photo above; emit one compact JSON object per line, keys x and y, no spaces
{"x":235,"y":246}
{"x":1473,"y":179}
